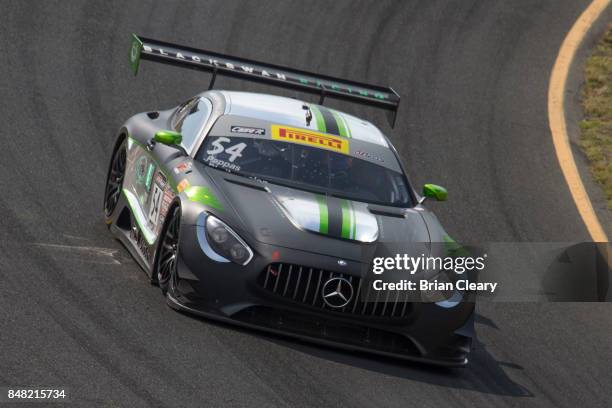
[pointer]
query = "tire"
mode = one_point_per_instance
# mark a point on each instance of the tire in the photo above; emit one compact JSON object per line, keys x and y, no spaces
{"x":166,"y":259}
{"x":114,"y":180}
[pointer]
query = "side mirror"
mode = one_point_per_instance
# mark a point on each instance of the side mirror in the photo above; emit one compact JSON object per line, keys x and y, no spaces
{"x":436,"y":192}
{"x":168,"y":137}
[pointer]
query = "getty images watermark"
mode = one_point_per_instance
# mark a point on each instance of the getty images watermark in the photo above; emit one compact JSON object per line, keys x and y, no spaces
{"x":430,"y":273}
{"x":497,"y":271}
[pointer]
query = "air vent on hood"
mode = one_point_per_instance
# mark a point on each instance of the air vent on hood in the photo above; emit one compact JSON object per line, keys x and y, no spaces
{"x":387,"y":211}
{"x":248,"y":183}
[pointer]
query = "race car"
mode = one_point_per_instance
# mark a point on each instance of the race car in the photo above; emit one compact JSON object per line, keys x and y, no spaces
{"x":266,"y":211}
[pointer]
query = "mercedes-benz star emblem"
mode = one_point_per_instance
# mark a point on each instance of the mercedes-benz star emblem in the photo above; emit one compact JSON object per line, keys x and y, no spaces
{"x":337,"y":292}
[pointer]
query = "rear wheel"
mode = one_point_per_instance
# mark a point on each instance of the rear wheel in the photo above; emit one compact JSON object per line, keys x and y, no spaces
{"x":114,"y":180}
{"x":166,"y":263}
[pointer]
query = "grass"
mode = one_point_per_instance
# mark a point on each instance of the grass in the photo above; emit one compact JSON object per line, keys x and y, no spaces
{"x":596,"y":128}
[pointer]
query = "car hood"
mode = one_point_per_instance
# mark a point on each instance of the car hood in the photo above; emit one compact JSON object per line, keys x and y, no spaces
{"x":297,"y":219}
{"x":331,"y":216}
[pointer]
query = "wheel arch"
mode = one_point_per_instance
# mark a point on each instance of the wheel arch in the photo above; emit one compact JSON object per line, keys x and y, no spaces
{"x":176,"y":202}
{"x":119,"y":139}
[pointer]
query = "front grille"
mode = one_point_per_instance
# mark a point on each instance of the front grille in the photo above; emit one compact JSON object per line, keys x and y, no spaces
{"x":304,"y":284}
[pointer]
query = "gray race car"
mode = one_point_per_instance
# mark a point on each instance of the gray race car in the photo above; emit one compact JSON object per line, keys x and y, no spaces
{"x":266,"y":211}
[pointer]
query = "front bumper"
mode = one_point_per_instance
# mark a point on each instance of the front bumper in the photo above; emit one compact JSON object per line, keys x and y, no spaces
{"x":236,"y":294}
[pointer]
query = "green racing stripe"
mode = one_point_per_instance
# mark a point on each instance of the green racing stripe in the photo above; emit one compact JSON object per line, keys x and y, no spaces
{"x":342,"y":126}
{"x":349,"y":221}
{"x":331,"y":125}
{"x":318,"y":118}
{"x":337,"y":217}
{"x":354,"y":221}
{"x":323,"y":215}
{"x":329,"y":215}
{"x":330,"y":121}
{"x":346,"y":219}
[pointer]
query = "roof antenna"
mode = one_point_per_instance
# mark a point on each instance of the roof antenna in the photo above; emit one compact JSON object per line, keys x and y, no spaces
{"x":212,"y":79}
{"x":308,"y":114}
{"x":323,"y":94}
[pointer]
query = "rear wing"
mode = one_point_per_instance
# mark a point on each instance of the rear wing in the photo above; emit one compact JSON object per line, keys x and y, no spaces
{"x":219,"y":64}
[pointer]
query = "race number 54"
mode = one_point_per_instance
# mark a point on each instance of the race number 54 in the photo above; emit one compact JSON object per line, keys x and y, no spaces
{"x":234,"y":151}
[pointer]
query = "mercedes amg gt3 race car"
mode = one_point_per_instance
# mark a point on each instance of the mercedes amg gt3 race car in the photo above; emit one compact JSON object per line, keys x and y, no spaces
{"x":265,"y":211}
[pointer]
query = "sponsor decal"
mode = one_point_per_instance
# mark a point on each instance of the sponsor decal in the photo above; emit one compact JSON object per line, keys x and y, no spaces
{"x":218,"y":163}
{"x":141,"y":169}
{"x":141,"y":243}
{"x":161,"y":180}
{"x":248,"y":130}
{"x":155,"y":206}
{"x":149,"y":176}
{"x":203,"y":58}
{"x":165,"y":206}
{"x":154,"y":215}
{"x":184,"y":184}
{"x":135,"y":50}
{"x":183,"y":167}
{"x":369,"y":155}
{"x":310,"y":138}
{"x":168,"y":197}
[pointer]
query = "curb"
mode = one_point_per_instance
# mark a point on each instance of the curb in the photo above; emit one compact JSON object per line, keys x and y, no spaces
{"x":574,"y":114}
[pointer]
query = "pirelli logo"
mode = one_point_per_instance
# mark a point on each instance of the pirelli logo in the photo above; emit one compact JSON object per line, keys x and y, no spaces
{"x":310,"y":138}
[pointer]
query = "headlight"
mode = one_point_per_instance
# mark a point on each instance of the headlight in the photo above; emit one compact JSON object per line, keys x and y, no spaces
{"x":224,"y":241}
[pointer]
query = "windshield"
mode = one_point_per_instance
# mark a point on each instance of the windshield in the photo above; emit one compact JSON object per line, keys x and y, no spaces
{"x":307,"y":168}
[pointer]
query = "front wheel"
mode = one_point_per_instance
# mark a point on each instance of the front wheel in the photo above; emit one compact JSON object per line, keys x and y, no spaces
{"x":167,"y":258}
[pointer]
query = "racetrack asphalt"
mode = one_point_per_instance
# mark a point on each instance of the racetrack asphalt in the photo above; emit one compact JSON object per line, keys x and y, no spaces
{"x":77,"y":312}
